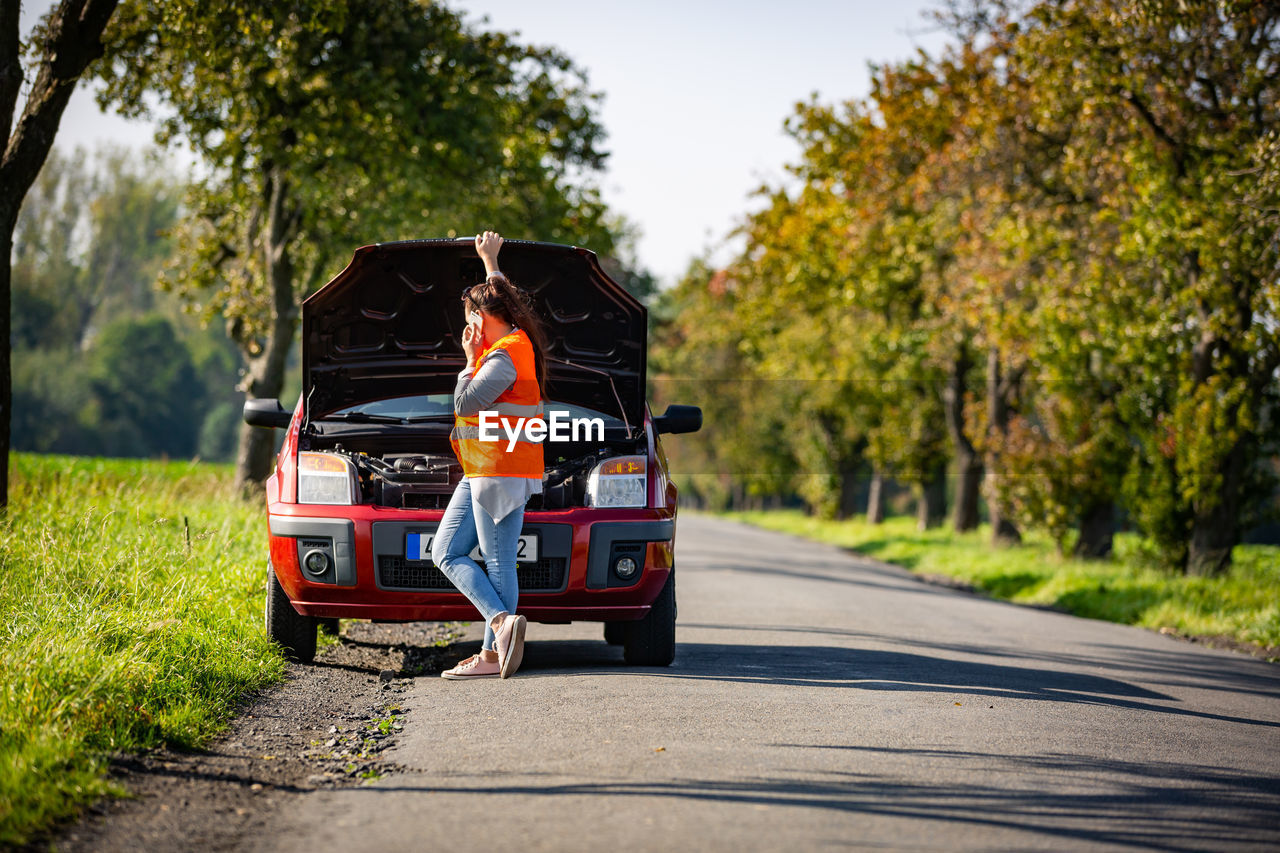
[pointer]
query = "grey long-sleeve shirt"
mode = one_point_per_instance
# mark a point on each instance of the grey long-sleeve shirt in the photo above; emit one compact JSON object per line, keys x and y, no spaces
{"x":496,"y":495}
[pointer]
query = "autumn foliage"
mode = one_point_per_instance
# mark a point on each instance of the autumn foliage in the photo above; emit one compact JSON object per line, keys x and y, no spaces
{"x":1044,"y":261}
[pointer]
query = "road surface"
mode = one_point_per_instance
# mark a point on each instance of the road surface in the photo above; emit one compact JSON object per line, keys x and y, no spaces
{"x":821,"y":701}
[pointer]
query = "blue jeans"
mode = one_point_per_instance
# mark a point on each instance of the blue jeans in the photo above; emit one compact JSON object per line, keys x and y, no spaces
{"x":466,"y":523}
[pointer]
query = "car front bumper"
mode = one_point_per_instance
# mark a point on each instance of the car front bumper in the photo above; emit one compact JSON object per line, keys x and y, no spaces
{"x":367,"y":574}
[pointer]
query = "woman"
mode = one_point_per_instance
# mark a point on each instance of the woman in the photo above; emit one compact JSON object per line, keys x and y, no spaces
{"x":504,"y":343}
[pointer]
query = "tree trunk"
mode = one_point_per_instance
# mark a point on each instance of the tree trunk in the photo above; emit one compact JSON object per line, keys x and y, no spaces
{"x":1003,"y":530}
{"x":72,"y":40}
{"x":1215,"y":519}
{"x":964,"y":515}
{"x":1215,"y":530}
{"x":6,"y":374}
{"x":875,"y":498}
{"x":849,"y":488}
{"x":1097,"y":529}
{"x":266,"y":360}
{"x":931,"y":503}
{"x":999,"y":390}
{"x":968,"y":467}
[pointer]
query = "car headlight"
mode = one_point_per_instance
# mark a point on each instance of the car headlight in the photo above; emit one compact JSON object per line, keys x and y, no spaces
{"x":619,"y":481}
{"x":326,"y":478}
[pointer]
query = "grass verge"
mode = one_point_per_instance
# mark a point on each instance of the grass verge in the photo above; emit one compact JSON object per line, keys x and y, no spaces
{"x":131,"y":595}
{"x":1241,"y":605}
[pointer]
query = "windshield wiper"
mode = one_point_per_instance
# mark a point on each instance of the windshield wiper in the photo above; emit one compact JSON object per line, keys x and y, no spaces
{"x":362,"y":418}
{"x":417,"y":419}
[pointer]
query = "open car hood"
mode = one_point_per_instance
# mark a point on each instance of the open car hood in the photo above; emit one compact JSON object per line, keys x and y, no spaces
{"x":390,"y":325}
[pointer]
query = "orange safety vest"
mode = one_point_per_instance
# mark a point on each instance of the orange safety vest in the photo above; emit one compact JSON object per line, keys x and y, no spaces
{"x":522,"y":400}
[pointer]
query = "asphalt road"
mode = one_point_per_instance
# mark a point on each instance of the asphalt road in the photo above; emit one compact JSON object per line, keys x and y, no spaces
{"x":820,"y":701}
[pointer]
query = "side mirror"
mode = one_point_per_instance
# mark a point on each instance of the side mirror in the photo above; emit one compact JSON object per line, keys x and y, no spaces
{"x":678,"y":419}
{"x":266,"y":412}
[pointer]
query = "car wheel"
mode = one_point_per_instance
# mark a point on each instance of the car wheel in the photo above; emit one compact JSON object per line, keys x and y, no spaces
{"x":615,"y":633}
{"x":652,"y":640}
{"x":292,"y":631}
{"x":329,"y":626}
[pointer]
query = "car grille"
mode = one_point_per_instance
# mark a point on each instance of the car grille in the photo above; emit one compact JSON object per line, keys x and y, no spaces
{"x":425,"y":500}
{"x":398,"y":573}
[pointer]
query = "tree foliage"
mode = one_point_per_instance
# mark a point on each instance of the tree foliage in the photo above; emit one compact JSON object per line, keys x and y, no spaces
{"x":327,"y":124}
{"x":1049,"y":252}
{"x":89,"y":244}
{"x":94,"y":345}
{"x":57,"y":53}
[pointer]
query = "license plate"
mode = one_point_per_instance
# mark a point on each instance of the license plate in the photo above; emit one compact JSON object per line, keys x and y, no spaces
{"x":417,"y":546}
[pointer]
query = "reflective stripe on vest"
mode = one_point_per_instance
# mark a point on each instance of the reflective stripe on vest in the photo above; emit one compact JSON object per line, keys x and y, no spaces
{"x":522,"y":400}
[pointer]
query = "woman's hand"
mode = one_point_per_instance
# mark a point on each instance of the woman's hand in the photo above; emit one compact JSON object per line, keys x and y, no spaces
{"x":472,"y":344}
{"x":487,"y":246}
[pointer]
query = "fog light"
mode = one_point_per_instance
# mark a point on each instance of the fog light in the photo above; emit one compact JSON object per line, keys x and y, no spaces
{"x":316,"y":562}
{"x":625,"y":567}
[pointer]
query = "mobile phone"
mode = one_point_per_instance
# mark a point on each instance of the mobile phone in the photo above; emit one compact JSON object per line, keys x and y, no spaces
{"x":475,"y":321}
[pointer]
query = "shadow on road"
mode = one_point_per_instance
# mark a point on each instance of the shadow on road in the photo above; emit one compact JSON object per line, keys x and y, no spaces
{"x":892,"y":579}
{"x":860,"y":669}
{"x":1077,"y":800}
{"x":1176,"y":666}
{"x":1156,"y":806}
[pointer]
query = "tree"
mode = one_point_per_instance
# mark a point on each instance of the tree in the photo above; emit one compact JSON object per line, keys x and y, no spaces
{"x":698,"y":356}
{"x":144,"y":384}
{"x":63,"y":45}
{"x":87,"y":248}
{"x":1055,"y":244}
{"x":1171,"y":104}
{"x":47,"y":271}
{"x":326,"y":124}
{"x":800,"y":350}
{"x":880,"y":162}
{"x":89,"y":243}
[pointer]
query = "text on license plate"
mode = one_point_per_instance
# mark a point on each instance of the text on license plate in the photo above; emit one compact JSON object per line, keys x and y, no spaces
{"x":418,"y":547}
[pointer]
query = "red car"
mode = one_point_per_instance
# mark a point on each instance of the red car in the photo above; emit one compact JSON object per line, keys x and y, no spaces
{"x":366,"y":468}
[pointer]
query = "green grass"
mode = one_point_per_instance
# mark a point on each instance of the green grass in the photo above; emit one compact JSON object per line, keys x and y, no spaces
{"x":1243,"y":604}
{"x":131,"y":598}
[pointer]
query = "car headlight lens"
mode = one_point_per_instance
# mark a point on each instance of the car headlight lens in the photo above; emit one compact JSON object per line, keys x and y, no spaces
{"x":618,"y":482}
{"x":326,"y":478}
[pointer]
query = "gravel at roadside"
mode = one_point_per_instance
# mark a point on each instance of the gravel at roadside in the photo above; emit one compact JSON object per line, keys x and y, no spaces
{"x":324,"y":727}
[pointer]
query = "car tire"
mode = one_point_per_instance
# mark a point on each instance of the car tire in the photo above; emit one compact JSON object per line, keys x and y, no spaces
{"x":615,"y":633}
{"x":290,"y":630}
{"x":651,"y":641}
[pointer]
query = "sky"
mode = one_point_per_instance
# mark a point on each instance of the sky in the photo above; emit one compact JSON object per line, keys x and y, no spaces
{"x":695,"y":96}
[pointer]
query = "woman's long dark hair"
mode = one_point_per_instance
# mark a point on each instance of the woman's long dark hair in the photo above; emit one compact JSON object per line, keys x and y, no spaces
{"x":511,"y":304}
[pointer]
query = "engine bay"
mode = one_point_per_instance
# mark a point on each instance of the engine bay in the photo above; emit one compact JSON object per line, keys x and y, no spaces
{"x":408,"y":480}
